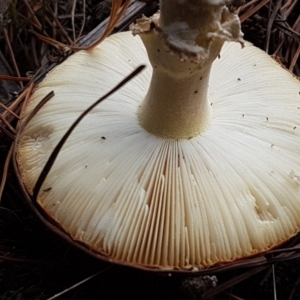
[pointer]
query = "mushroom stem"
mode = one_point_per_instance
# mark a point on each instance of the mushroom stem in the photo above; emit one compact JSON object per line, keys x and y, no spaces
{"x":182,"y":42}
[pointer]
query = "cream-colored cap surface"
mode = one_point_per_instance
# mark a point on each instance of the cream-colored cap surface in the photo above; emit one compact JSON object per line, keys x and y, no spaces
{"x":229,"y":193}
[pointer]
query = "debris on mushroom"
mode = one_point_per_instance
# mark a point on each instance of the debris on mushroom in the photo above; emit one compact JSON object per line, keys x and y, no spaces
{"x":156,"y":176}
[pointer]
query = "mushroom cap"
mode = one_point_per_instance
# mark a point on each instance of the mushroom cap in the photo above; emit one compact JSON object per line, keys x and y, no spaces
{"x":229,"y":193}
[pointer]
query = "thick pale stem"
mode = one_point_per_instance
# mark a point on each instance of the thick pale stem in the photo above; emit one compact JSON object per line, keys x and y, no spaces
{"x":182,"y":43}
{"x":176,"y":105}
{"x":176,"y":108}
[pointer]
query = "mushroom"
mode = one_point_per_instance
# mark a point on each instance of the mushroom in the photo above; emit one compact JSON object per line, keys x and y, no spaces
{"x":194,"y":163}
